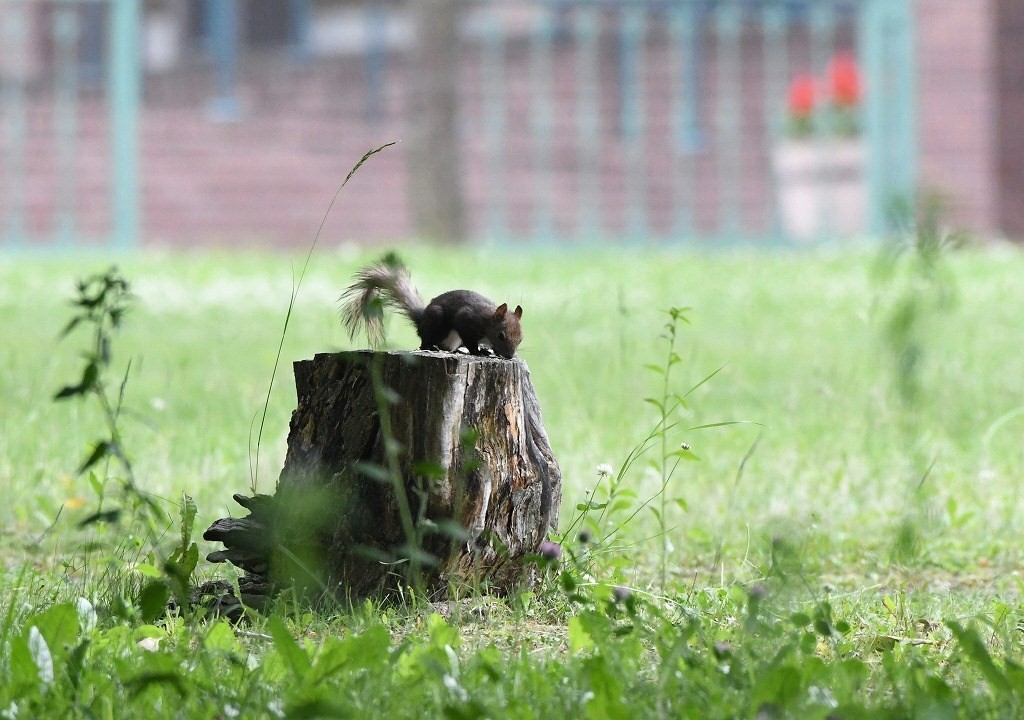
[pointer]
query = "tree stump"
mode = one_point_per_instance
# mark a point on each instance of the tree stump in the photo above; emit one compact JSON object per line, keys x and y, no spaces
{"x":402,"y":468}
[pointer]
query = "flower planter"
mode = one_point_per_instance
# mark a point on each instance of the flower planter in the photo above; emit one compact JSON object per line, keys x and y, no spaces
{"x":822,"y":189}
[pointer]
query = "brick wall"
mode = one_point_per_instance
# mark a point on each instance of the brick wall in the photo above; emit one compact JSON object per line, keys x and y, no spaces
{"x":957,"y":100}
{"x":1010,"y":139}
{"x":269,"y":177}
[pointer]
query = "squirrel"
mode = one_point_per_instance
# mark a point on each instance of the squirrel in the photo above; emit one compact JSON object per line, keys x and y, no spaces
{"x":457,"y":318}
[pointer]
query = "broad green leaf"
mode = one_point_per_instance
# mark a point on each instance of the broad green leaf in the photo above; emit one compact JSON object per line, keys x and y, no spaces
{"x":99,"y":451}
{"x":75,"y":663}
{"x":442,"y":635}
{"x":148,"y":570}
{"x":41,"y":655}
{"x":96,"y":484}
{"x":72,"y":324}
{"x":800,"y":620}
{"x":621,"y":504}
{"x":181,"y":568}
{"x":294,"y":656}
{"x":146,"y":631}
{"x":101,"y":516}
{"x":23,"y":670}
{"x":157,"y":669}
{"x":579,"y":638}
{"x":470,"y":710}
{"x":221,"y":638}
{"x":656,"y":403}
{"x":68,"y":391}
{"x":780,"y":684}
{"x":316,"y":709}
{"x":89,"y":377}
{"x":153,"y":600}
{"x":59,"y":626}
{"x":974,"y":648}
{"x":188,"y":515}
{"x":368,"y":650}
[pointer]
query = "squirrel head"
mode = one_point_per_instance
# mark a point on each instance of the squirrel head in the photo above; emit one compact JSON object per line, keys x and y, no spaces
{"x":505,"y":331}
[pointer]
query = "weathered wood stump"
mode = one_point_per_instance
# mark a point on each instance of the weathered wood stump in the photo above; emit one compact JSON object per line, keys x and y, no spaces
{"x":402,"y":466}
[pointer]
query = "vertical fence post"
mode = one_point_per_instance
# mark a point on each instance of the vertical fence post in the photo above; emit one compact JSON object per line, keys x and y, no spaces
{"x":729,"y":143}
{"x":223,"y":19}
{"x":887,"y":46}
{"x":588,"y":120}
{"x":495,"y":114}
{"x":301,"y":15}
{"x":15,"y":23}
{"x":776,"y":73}
{"x":376,"y":19}
{"x":542,"y":127}
{"x":685,"y":33}
{"x":631,"y":86}
{"x":436,"y":195}
{"x":65,"y":119}
{"x":124,"y":109}
{"x":822,"y":29}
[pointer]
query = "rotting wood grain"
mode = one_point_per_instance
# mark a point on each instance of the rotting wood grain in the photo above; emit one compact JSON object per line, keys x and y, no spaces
{"x":334,"y":523}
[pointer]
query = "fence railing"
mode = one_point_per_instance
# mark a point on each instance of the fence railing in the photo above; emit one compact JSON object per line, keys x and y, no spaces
{"x":581,"y":120}
{"x":56,"y":59}
{"x":636,"y":120}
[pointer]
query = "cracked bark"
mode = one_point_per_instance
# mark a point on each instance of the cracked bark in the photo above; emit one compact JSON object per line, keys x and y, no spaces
{"x":474,"y":460}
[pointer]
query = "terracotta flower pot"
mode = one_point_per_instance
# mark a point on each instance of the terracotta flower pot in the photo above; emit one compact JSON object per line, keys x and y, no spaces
{"x":822,"y":191}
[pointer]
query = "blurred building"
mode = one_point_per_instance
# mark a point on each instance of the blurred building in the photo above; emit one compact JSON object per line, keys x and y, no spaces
{"x":234,"y":121}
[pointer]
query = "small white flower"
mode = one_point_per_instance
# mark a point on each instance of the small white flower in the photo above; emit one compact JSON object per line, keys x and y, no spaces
{"x":11,"y":712}
{"x":40,"y":654}
{"x":158,"y":403}
{"x":822,"y":696}
{"x":604,"y":470}
{"x":151,"y":644}
{"x":86,"y":614}
{"x":231,"y":711}
{"x":455,"y":689}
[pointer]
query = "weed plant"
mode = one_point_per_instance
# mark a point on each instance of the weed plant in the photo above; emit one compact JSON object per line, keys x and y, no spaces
{"x":778,"y":601}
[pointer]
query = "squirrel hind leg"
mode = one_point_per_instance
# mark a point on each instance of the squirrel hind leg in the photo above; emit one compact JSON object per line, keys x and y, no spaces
{"x":449,"y":343}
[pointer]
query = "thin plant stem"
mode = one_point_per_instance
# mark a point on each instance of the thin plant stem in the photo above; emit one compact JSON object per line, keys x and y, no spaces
{"x":254,"y":469}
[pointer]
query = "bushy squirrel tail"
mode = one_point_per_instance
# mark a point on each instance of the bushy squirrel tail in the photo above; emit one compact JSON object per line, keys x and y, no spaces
{"x":386,"y":282}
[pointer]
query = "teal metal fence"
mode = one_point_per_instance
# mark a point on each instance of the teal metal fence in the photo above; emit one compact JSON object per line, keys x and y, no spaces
{"x":583,"y":120}
{"x":633,"y":119}
{"x":58,"y":57}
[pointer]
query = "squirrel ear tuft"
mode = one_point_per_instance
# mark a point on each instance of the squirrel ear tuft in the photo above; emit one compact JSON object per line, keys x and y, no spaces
{"x":500,"y":312}
{"x":519,"y":311}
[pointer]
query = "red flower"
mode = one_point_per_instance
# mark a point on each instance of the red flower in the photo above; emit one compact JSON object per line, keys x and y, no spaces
{"x":844,"y":80}
{"x":802,"y":96}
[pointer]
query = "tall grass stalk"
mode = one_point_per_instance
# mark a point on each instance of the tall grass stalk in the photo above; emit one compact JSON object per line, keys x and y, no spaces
{"x":254,"y":469}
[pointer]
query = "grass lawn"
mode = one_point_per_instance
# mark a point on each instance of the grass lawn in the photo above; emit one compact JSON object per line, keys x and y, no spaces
{"x":846,"y":551}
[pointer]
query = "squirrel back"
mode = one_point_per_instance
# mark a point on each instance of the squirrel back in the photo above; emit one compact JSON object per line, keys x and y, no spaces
{"x":457,"y":318}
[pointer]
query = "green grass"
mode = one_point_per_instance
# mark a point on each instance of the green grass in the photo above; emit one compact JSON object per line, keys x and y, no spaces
{"x":841,"y":467}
